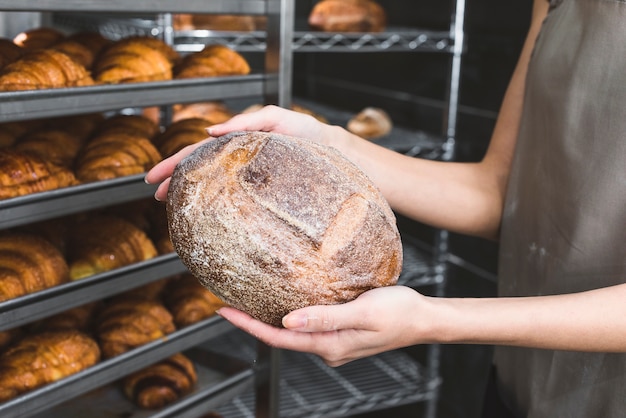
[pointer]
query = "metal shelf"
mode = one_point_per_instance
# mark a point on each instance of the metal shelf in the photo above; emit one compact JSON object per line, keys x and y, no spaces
{"x":392,"y":40}
{"x":40,"y":206}
{"x":125,"y":6}
{"x":309,"y":388}
{"x":34,"y":104}
{"x":113,"y":369}
{"x":34,"y":306}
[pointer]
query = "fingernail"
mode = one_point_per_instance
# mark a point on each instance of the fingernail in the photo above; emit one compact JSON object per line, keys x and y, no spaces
{"x":295,"y":321}
{"x":156,"y":198}
{"x":209,"y":131}
{"x":218,"y":312}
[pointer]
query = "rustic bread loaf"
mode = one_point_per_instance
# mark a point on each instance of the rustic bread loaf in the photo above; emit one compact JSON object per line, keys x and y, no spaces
{"x":271,"y":223}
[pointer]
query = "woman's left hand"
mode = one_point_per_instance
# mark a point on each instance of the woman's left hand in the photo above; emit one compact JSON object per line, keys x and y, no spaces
{"x":378,"y":320}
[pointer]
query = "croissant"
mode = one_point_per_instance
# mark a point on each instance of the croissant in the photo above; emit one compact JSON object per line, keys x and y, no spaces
{"x":189,"y":301}
{"x":79,"y":319}
{"x":22,"y":174}
{"x":214,"y":112}
{"x":77,"y":51}
{"x":38,"y":38}
{"x":57,"y":146}
{"x":101,"y":243}
{"x":9,"y":52}
{"x":80,"y":126}
{"x":127,"y":323}
{"x":10,"y":132}
{"x":180,"y":134}
{"x":162,"y":383}
{"x":107,"y":157}
{"x":130,"y":124}
{"x":43,"y":358}
{"x":135,"y":59}
{"x":94,"y":41}
{"x":217,"y":22}
{"x":43,"y":69}
{"x":348,"y":16}
{"x":9,"y":336}
{"x":29,"y":263}
{"x":212,"y":61}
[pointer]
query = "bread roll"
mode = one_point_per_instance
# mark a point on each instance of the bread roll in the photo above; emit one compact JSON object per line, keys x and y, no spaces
{"x":370,"y":123}
{"x":271,"y":223}
{"x":348,"y":16}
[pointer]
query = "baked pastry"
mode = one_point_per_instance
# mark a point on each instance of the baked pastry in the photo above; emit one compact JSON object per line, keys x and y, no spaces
{"x":214,"y":112}
{"x":159,"y":231}
{"x":180,"y":134}
{"x":138,"y":125}
{"x":38,"y":38}
{"x":189,"y":301}
{"x":135,"y":59}
{"x":162,"y":383}
{"x":110,"y":156}
{"x":10,"y":132}
{"x":94,"y":41}
{"x":212,"y":61}
{"x":39,"y":359}
{"x":29,"y":263}
{"x":8,"y":337}
{"x":370,"y":123}
{"x":22,"y":174}
{"x":127,"y":323}
{"x":348,"y":16}
{"x":311,"y":229}
{"x":9,"y":52}
{"x":79,"y":319}
{"x":149,"y":291}
{"x":216,"y":22}
{"x":102,"y":243}
{"x":77,"y":51}
{"x":43,"y":69}
{"x":56,"y":146}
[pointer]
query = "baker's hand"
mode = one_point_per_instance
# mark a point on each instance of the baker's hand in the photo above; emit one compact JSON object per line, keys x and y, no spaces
{"x":275,"y":119}
{"x":161,"y":172}
{"x":379,"y":320}
{"x":267,"y":119}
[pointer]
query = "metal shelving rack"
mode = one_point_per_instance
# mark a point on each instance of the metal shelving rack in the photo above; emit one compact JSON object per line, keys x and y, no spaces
{"x":18,"y":211}
{"x":409,"y":381}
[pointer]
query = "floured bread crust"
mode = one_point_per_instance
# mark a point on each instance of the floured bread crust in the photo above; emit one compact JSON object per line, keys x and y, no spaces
{"x":271,"y":223}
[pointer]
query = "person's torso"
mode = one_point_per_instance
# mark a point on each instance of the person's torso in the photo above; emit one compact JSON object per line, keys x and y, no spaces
{"x":564,"y":221}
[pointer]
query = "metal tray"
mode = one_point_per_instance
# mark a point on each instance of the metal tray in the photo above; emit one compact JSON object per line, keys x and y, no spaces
{"x":110,"y":370}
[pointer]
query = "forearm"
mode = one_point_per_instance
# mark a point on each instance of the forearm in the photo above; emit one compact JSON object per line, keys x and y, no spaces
{"x":588,"y":321}
{"x":461,"y":197}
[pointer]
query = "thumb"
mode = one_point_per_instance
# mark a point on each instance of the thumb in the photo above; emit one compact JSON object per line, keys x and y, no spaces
{"x":323,"y":318}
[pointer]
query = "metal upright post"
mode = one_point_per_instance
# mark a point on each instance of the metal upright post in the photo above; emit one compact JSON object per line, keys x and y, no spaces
{"x":441,"y":243}
{"x":278,"y":68}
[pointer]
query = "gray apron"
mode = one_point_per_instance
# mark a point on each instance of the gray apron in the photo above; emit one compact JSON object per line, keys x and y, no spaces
{"x":564,"y":224}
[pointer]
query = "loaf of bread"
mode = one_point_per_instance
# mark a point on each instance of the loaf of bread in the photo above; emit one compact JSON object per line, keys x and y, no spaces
{"x":22,"y":174}
{"x":271,"y":223}
{"x":127,"y":323}
{"x":43,"y":69}
{"x":102,"y":243}
{"x":39,"y":359}
{"x":348,"y":16}
{"x":38,"y":38}
{"x":109,"y":156}
{"x":9,"y":52}
{"x":190,"y":302}
{"x":162,"y":383}
{"x":212,"y":61}
{"x":370,"y":123}
{"x":135,"y":59}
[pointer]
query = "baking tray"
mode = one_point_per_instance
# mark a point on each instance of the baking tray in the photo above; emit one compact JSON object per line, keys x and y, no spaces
{"x":219,"y":376}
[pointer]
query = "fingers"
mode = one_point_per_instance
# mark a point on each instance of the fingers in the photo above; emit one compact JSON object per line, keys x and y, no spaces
{"x":326,"y":318}
{"x":260,"y":120}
